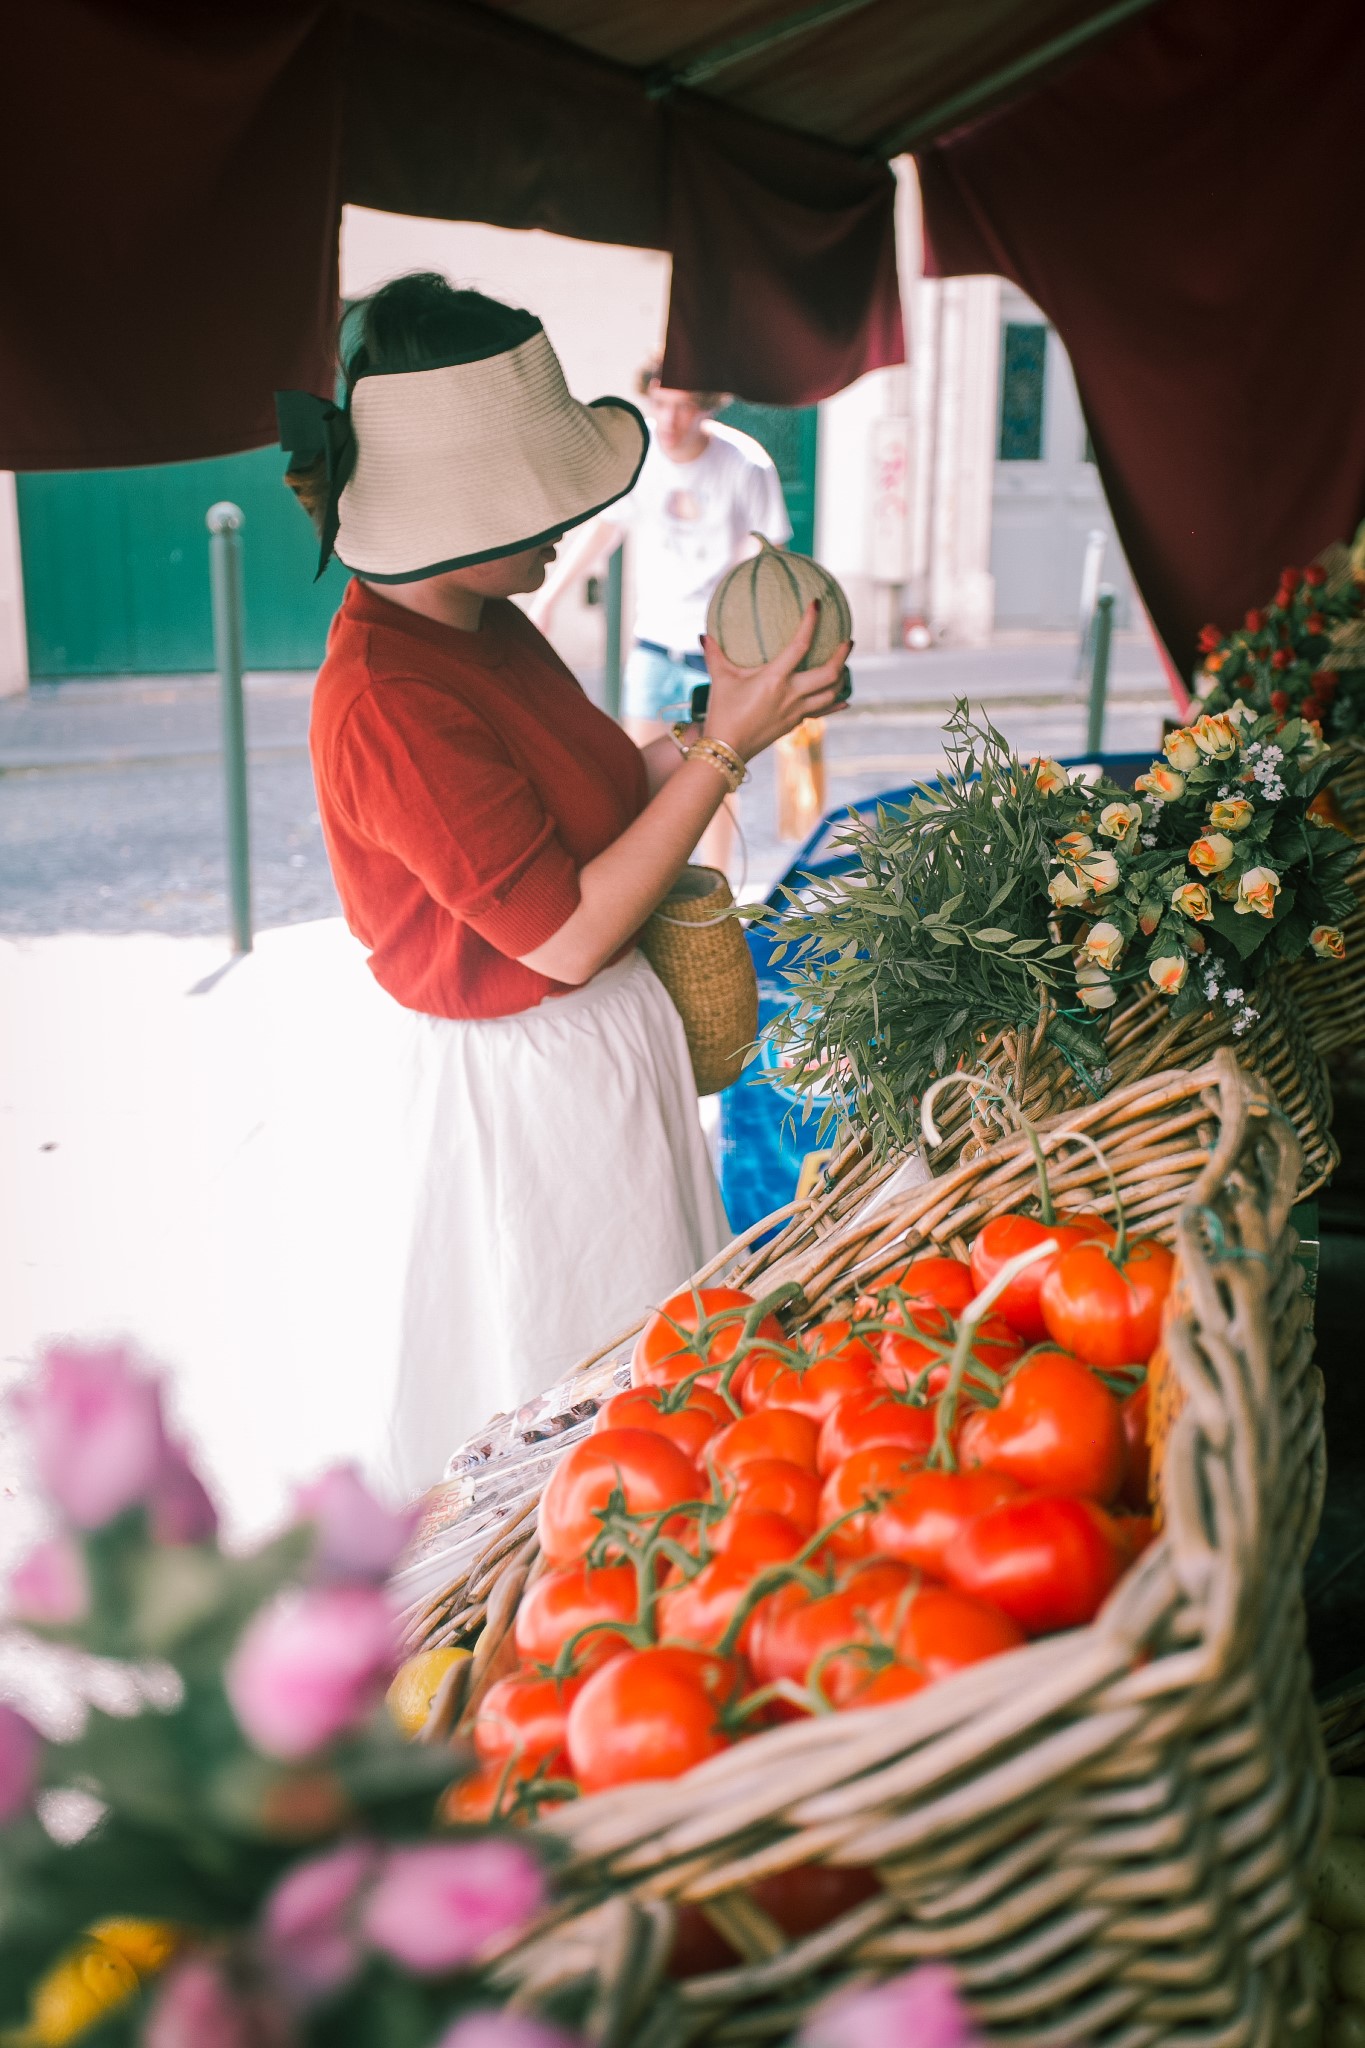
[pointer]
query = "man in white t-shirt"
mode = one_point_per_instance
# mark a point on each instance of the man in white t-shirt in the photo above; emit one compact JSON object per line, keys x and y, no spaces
{"x":703,"y":492}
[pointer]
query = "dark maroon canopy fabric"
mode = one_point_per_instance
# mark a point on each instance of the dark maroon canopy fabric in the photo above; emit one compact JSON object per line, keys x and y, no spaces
{"x":1186,"y":206}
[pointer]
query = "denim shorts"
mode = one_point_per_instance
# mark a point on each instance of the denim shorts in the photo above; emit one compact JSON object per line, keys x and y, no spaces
{"x":656,"y":686}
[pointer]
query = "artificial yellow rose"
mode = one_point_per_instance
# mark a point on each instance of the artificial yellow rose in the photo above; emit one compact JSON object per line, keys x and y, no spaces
{"x":1118,"y":820}
{"x":1051,"y":776}
{"x":1215,"y":734}
{"x":1169,"y":971}
{"x":1193,"y":900}
{"x":1102,"y":946}
{"x":1066,"y":892}
{"x":1241,"y":712}
{"x":1180,"y":749}
{"x":1072,"y":845}
{"x":1211,"y":854}
{"x":1099,"y":872}
{"x":1233,"y":814}
{"x":1161,"y":782}
{"x":1256,"y":892}
{"x":1095,"y":989}
{"x":1327,"y":942}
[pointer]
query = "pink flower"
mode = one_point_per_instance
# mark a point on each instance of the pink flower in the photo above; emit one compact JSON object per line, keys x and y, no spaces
{"x":94,"y":1423}
{"x":197,"y":2007}
{"x":51,"y":1587}
{"x":358,"y":1537}
{"x":311,"y":1665}
{"x":504,"y":2030}
{"x":21,"y":1747}
{"x":918,"y":2010}
{"x":309,"y":1920}
{"x":180,"y":1509}
{"x":437,"y":1907}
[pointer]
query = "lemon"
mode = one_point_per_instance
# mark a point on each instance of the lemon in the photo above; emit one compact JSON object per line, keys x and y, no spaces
{"x":414,"y":1688}
{"x":147,"y":1944}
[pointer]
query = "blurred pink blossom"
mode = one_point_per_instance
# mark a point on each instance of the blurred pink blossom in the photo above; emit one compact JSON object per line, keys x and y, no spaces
{"x":436,"y":1907}
{"x":197,"y":2007}
{"x":310,"y":1665}
{"x":918,"y":2010}
{"x":94,"y":1422}
{"x":21,"y":1747}
{"x":309,"y":1932}
{"x":504,"y":2030}
{"x":51,"y":1586}
{"x":179,"y":1509}
{"x":358,"y":1537}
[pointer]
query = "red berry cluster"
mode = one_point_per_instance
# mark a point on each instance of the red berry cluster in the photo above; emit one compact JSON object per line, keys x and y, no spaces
{"x":1273,"y":661}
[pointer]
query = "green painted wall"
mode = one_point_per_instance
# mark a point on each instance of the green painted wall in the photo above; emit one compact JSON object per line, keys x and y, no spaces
{"x":790,"y":435}
{"x":116,"y":569}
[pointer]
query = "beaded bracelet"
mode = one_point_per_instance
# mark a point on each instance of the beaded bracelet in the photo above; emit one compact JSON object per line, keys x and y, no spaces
{"x":716,"y":753}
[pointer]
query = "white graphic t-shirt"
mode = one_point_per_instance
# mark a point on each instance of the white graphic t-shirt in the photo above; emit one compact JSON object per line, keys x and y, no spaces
{"x":689,"y":522}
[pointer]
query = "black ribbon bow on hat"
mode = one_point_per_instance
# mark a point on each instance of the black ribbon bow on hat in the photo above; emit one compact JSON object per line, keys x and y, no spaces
{"x":310,"y":428}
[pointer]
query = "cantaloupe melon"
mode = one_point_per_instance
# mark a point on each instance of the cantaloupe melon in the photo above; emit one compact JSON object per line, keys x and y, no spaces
{"x":757,"y":608}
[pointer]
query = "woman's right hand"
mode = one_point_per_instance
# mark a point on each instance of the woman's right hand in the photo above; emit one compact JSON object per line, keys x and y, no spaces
{"x":751,"y":707}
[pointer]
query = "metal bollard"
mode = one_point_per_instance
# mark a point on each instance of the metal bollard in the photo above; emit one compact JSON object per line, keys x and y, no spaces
{"x":225,"y":522}
{"x":1100,"y":636}
{"x":611,"y":678}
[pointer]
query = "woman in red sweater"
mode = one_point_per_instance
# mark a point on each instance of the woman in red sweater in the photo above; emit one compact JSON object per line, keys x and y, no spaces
{"x":497,"y":844}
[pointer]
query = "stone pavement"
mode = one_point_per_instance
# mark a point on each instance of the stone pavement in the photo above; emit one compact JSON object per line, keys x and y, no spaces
{"x":111,"y":804}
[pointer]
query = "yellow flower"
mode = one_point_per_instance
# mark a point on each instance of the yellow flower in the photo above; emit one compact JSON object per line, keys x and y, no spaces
{"x":1192,"y":900}
{"x":1099,"y":872}
{"x":1095,"y":989}
{"x":1168,"y":971}
{"x":1241,"y":712}
{"x":1065,"y":891}
{"x":1257,"y":891}
{"x":1180,"y":749}
{"x":1102,"y":946}
{"x":1072,"y":845}
{"x":1215,"y":734}
{"x":1232,"y":815}
{"x":1051,"y":776}
{"x":1211,"y":854}
{"x":1162,"y":782}
{"x":1327,"y":942}
{"x":1118,"y":820}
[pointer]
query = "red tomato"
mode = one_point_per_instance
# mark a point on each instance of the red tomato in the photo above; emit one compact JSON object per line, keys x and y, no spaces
{"x":1135,"y":1532}
{"x":1135,"y":1492}
{"x":1109,"y":1315}
{"x":851,"y":1682}
{"x":701,"y":1609}
{"x":819,"y":1381}
{"x":490,"y":1792}
{"x":809,"y":1896}
{"x":918,"y":1359}
{"x":1048,"y":1560}
{"x":698,"y":1947}
{"x":754,"y":1536}
{"x":931,"y":1510}
{"x":865,"y":1480}
{"x":652,"y":1714}
{"x":777,"y":1486}
{"x":603,"y":1598}
{"x":690,"y":1426}
{"x":794,"y":1629}
{"x":1057,"y":1429}
{"x":523,"y":1717}
{"x":648,"y":1471}
{"x":662,"y":1356}
{"x":931,"y":1278}
{"x":874,"y":1416}
{"x":772,"y":1433}
{"x":933,"y":1632}
{"x":1003,"y":1238}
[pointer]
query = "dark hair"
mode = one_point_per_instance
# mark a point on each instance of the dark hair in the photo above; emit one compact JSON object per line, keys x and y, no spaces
{"x":422,"y":322}
{"x":652,"y":373}
{"x":417,"y":322}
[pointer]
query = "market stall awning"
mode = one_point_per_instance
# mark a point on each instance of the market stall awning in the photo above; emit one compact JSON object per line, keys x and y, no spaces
{"x":173,"y":179}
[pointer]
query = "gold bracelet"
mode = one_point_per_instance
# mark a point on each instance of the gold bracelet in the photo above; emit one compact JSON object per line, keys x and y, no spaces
{"x":726,"y":762}
{"x":678,"y":735}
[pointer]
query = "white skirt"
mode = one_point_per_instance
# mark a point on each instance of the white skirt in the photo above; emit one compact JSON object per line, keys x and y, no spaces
{"x":557,"y":1184}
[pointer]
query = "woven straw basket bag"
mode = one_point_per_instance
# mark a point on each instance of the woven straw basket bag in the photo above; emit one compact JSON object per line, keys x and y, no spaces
{"x":1109,"y":1833}
{"x":696,"y":946}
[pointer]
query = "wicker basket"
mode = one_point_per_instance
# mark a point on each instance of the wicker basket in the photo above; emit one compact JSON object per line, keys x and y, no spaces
{"x":1329,"y":995}
{"x":1107,"y":1833}
{"x":697,"y":948}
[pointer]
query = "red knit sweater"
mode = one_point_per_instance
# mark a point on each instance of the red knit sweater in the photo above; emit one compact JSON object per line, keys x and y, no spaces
{"x":463,"y":780}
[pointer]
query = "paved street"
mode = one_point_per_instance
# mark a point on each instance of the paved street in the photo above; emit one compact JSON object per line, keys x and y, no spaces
{"x":111,"y":805}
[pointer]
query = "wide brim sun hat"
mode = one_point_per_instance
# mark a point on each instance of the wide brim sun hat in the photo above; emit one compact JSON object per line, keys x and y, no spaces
{"x":438,"y":469}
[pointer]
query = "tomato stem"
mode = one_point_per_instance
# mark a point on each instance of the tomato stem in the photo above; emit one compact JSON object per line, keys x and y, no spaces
{"x":942,"y":1453}
{"x":1117,"y":1253}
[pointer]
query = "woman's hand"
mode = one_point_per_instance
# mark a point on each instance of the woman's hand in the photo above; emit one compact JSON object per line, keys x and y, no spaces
{"x":752,"y":707}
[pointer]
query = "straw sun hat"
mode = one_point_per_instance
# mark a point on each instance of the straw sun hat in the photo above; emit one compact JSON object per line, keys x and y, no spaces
{"x":436,"y":469}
